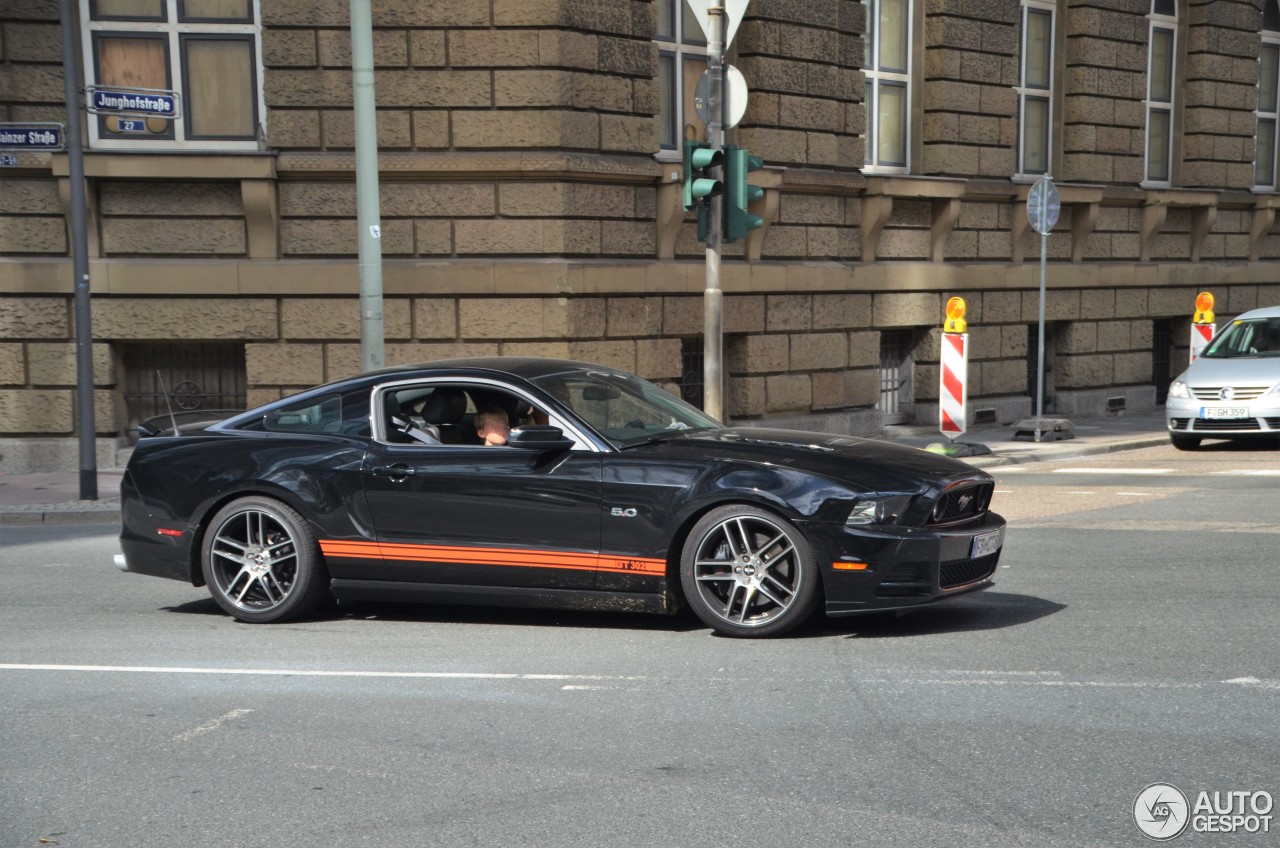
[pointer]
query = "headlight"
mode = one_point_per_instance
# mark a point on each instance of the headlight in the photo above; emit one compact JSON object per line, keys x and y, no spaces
{"x":878,"y":510}
{"x":1179,"y":389}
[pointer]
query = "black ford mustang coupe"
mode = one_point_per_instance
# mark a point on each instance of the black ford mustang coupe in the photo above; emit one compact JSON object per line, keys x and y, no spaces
{"x":609,"y":494}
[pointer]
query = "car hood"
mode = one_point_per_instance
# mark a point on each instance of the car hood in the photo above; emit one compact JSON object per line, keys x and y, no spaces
{"x":866,"y":464}
{"x":1237,"y":371}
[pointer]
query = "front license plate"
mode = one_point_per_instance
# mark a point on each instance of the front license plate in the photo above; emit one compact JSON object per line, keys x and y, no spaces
{"x":987,"y":543}
{"x":1224,"y":412}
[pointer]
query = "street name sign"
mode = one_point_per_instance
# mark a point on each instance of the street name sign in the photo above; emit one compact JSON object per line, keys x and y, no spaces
{"x":133,"y":102}
{"x":23,"y":137}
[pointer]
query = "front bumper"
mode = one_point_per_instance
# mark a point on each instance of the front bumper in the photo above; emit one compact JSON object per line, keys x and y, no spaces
{"x":1193,"y":416}
{"x":887,"y":568}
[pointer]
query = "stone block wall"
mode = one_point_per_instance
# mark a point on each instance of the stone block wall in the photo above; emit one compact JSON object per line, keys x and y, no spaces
{"x":970,"y":66}
{"x":1221,"y":93}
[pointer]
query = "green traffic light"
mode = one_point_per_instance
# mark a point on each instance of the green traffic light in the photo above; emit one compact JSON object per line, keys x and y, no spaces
{"x":738,"y":193}
{"x":698,"y":184}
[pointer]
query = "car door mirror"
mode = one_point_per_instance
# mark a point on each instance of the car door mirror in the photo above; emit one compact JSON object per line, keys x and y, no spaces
{"x":539,"y":437}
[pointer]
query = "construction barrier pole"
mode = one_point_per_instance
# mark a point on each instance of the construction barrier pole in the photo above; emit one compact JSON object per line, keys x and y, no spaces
{"x":1202,"y":324}
{"x":953,"y":394}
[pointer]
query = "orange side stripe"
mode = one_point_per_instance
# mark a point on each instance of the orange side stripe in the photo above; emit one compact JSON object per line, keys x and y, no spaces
{"x":517,"y":557}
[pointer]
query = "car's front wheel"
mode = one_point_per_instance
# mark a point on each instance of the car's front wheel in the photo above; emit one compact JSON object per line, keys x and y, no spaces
{"x":1186,"y":443}
{"x":748,"y":572}
{"x":261,"y":561}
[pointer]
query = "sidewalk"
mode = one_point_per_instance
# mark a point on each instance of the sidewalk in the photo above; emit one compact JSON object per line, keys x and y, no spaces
{"x":53,"y":498}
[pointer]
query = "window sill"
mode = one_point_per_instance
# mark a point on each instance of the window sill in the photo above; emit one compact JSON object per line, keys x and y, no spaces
{"x":172,"y":165}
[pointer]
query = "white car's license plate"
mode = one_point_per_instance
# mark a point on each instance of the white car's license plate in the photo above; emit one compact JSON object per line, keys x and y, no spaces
{"x":987,"y":543}
{"x":1224,"y":412}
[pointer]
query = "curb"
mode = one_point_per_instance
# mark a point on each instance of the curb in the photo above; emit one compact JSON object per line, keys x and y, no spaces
{"x":60,"y":515}
{"x":1065,"y":452}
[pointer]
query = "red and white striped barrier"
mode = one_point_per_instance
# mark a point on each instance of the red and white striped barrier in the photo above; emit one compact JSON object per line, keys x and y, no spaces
{"x":953,"y":397}
{"x":1200,"y":336}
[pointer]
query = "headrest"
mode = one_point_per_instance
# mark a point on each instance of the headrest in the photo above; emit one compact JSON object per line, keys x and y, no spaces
{"x":445,"y":406}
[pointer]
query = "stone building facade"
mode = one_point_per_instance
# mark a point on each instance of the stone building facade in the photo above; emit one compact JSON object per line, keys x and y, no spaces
{"x":530,"y":182}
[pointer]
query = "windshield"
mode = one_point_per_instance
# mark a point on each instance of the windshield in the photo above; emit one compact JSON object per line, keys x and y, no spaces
{"x":1253,"y":337}
{"x":623,"y":408}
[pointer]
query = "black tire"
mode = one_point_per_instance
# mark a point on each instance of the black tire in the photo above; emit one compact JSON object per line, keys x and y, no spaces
{"x":261,"y":562}
{"x":747,"y":572}
{"x":1186,"y":443}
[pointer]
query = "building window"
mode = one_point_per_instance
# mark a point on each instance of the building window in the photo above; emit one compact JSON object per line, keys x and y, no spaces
{"x":887,"y":69}
{"x":682,"y":60}
{"x":207,"y":51}
{"x":1161,"y":66}
{"x":1035,"y":89}
{"x":1264,"y":170}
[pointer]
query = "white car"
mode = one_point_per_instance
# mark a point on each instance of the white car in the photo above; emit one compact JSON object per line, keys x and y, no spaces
{"x":1232,"y":390}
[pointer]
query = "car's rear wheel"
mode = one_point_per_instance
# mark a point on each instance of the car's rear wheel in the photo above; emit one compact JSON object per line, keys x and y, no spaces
{"x":1185,"y":443}
{"x":748,"y":572}
{"x":261,"y":561}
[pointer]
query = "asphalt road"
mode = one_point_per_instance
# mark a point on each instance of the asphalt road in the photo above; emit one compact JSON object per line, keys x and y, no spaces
{"x":1131,"y":640}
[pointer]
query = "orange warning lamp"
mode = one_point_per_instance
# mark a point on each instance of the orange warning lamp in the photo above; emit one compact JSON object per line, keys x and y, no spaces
{"x":1204,"y":309}
{"x":955,"y":322}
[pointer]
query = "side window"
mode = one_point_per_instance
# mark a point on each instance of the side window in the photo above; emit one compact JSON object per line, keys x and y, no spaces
{"x":1264,"y":174}
{"x":208,"y":52}
{"x":313,"y":416}
{"x":461,"y":414}
{"x":1161,"y":90}
{"x":1035,"y":88}
{"x":682,"y":60}
{"x":887,"y":68}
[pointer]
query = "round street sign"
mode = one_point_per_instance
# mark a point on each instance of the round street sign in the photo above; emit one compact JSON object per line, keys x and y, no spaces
{"x":735,"y":97}
{"x":1043,"y":205}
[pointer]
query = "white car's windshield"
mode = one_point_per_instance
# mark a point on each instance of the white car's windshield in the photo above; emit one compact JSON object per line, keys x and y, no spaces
{"x":1254,"y":337}
{"x":623,"y":408}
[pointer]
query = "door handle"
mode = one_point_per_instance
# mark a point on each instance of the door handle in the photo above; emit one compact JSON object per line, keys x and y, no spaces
{"x":399,"y":471}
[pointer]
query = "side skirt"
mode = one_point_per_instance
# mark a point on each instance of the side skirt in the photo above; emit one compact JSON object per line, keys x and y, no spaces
{"x":501,"y":596}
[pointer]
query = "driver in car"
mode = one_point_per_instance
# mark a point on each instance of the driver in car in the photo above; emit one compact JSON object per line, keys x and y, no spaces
{"x":492,"y":426}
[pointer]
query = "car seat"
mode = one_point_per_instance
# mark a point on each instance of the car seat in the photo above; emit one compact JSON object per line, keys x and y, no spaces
{"x":444,"y":409}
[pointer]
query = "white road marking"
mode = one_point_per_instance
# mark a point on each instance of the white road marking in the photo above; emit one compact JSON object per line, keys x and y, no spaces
{"x":1254,"y":682}
{"x":210,"y":725}
{"x":1135,"y":471}
{"x":1139,"y":494}
{"x":1247,"y":472}
{"x":285,"y":672}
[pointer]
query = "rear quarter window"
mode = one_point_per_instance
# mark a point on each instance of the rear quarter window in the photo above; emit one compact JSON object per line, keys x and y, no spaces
{"x":317,"y":415}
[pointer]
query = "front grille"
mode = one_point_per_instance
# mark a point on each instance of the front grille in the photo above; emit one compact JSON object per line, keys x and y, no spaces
{"x":959,"y":505}
{"x":1220,"y":424}
{"x":1238,"y":392}
{"x":1272,"y":423}
{"x":961,"y":571}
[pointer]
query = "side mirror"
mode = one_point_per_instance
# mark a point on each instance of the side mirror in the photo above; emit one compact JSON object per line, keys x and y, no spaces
{"x":539,"y":437}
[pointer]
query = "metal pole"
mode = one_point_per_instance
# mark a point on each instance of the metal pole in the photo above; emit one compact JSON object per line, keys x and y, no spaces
{"x":85,"y":423}
{"x":368,"y":207}
{"x":1044,"y":240}
{"x":713,"y":298}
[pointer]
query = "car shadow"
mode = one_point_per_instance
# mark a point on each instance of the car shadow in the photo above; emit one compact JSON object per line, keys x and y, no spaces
{"x":472,"y":615}
{"x":1239,"y":445}
{"x":988,"y":611}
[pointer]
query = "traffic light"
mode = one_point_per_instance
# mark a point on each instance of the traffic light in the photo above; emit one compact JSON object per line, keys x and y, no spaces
{"x":738,"y":193}
{"x":699,"y":185}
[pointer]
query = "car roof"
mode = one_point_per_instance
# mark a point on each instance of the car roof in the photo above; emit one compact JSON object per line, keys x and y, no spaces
{"x":528,"y":367}
{"x":1264,"y":312}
